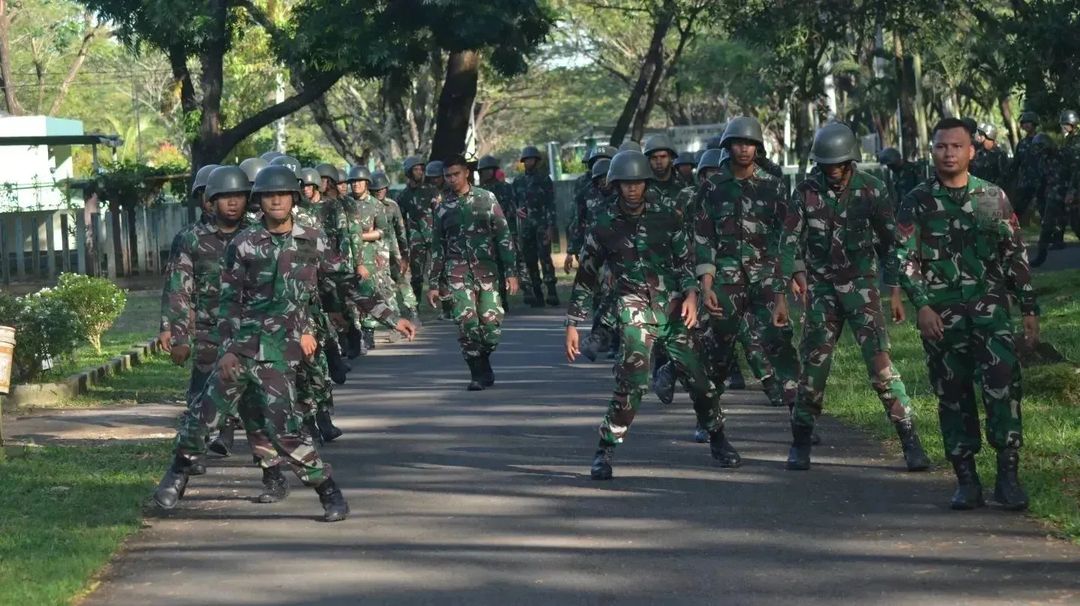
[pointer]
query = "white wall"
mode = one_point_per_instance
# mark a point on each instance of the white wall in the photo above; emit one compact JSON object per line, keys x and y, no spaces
{"x":27,"y":173}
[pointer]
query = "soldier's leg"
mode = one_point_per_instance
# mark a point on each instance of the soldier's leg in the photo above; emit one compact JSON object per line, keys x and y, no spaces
{"x":821,"y":328}
{"x":490,"y":315}
{"x":530,"y":247}
{"x":418,"y":269}
{"x":500,"y":276}
{"x":322,"y":393}
{"x":631,"y":380}
{"x":464,"y":300}
{"x":776,"y":343}
{"x":752,"y":333}
{"x":547,"y":267}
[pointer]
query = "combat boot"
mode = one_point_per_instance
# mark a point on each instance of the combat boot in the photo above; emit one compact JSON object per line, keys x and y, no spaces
{"x":447,"y":311}
{"x":969,"y":494}
{"x":327,"y":430}
{"x":914,"y":455}
{"x":1059,"y":240}
{"x":735,"y":377}
{"x":773,"y":391}
{"x":552,"y":296}
{"x":722,"y":450}
{"x":664,"y":383}
{"x":197,"y":468}
{"x":599,"y":340}
{"x":799,"y":455}
{"x":368,"y":334}
{"x":275,"y":485}
{"x":601,"y":463}
{"x":701,"y":435}
{"x":354,"y":343}
{"x":171,"y":488}
{"x":1007,"y":490}
{"x":335,"y":508}
{"x":339,"y":370}
{"x":1040,"y":256}
{"x":476,"y":374}
{"x":487,"y":374}
{"x":223,"y":443}
{"x":312,"y":430}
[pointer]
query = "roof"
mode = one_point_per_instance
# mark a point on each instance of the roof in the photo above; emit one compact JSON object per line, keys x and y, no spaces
{"x":109,"y":140}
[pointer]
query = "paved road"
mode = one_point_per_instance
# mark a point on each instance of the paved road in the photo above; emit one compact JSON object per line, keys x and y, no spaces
{"x":464,"y":498}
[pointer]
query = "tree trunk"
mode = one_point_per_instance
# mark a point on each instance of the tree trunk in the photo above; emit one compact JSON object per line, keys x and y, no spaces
{"x":455,"y":104}
{"x":6,"y":79}
{"x":1005,"y":104}
{"x":921,"y":128}
{"x":803,"y":135}
{"x":76,"y":65}
{"x":654,"y":59}
{"x":907,"y":103}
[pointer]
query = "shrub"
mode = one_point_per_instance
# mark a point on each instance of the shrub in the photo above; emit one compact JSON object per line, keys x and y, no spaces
{"x":44,"y":327}
{"x":99,"y":303}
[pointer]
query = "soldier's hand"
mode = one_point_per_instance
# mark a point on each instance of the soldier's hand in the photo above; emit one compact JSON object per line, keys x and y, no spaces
{"x":363,"y":272}
{"x":406,"y":328}
{"x":229,"y":366}
{"x":568,"y":264}
{"x":572,"y":343}
{"x":780,"y":315}
{"x":712,"y":304}
{"x":308,"y":345}
{"x":179,"y":354}
{"x":930,"y":325}
{"x":165,"y":340}
{"x":689,"y":310}
{"x":1031,"y":330}
{"x":511,"y":285}
{"x":433,"y":298}
{"x":521,"y":213}
{"x":899,"y":314}
{"x":798,"y":285}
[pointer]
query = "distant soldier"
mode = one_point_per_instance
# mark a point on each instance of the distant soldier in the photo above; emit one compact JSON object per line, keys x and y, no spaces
{"x":415,"y":203}
{"x":991,"y":163}
{"x":1024,"y":168}
{"x":537,"y":220}
{"x":904,"y":175}
{"x":684,"y":165}
{"x":504,"y":193}
{"x":584,"y":188}
{"x":399,"y":262}
{"x":377,"y":246}
{"x":1057,"y":192}
{"x":661,"y":154}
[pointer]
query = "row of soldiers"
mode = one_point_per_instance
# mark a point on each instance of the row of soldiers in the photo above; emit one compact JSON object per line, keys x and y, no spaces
{"x":681,"y":270}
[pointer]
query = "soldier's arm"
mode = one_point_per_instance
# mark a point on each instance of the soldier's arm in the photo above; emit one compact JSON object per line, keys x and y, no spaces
{"x":438,"y":257}
{"x":682,"y":260}
{"x":704,"y":234}
{"x":368,"y":299}
{"x":586,"y":281}
{"x":230,"y":301}
{"x":402,"y":234}
{"x":576,"y":229}
{"x":179,"y":288}
{"x":1016,"y":269}
{"x":392,"y":240}
{"x":165,"y":290}
{"x":907,"y":252}
{"x":547,"y":199}
{"x":503,"y":242}
{"x":793,"y":235}
{"x":883,"y":221}
{"x":780,"y":211}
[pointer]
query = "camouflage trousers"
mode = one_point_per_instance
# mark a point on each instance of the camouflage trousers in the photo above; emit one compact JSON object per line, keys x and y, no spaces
{"x":536,"y":251}
{"x":419,"y":266}
{"x":632,"y":378}
{"x":747,"y":316}
{"x":313,"y":390}
{"x":977,"y":346}
{"x":205,"y":358}
{"x":829,"y":307}
{"x":404,"y":297}
{"x":388,"y":288}
{"x":478,"y":316}
{"x":274,"y":423}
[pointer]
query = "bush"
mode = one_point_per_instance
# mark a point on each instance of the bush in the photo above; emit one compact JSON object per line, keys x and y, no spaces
{"x":99,"y":303}
{"x":44,"y":327}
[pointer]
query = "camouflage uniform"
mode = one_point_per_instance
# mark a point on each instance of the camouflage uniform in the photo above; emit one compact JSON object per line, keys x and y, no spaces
{"x":990,"y":164}
{"x":904,"y":179}
{"x":1070,"y":160}
{"x":649,"y":259}
{"x":737,"y":230}
{"x":367,"y":214}
{"x":471,"y":238}
{"x":504,"y":193}
{"x":1025,"y":174}
{"x":841,"y":236}
{"x":536,"y":194}
{"x":963,"y":255}
{"x":415,"y":203}
{"x":1053,"y":165}
{"x":406,"y":299}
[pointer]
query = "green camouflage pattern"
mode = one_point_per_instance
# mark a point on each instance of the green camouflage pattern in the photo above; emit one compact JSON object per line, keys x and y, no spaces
{"x":504,"y":193}
{"x":1025,"y":172}
{"x":417,"y":209}
{"x":991,"y":165}
{"x":535,"y":194}
{"x":904,"y":179}
{"x":400,"y":271}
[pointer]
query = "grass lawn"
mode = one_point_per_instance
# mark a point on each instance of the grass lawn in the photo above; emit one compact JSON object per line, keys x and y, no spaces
{"x":1050,"y":459}
{"x":64,"y":517}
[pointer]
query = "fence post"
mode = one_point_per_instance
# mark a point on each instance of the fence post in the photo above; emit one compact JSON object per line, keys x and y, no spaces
{"x":35,"y":246}
{"x":5,"y":262}
{"x":65,"y":243}
{"x":110,"y":236}
{"x":20,"y":245}
{"x":50,"y":245}
{"x":80,"y":244}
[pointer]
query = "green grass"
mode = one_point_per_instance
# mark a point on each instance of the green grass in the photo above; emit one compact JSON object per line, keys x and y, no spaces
{"x":65,"y":512}
{"x":1050,"y":459}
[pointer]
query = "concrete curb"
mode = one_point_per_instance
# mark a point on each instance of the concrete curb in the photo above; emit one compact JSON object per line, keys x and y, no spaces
{"x":44,"y":394}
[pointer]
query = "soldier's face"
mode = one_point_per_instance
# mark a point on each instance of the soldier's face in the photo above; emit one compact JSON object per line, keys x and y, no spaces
{"x":529,"y":163}
{"x":743,"y":152}
{"x":835,"y":174}
{"x":416,"y":173}
{"x":952,"y":151}
{"x":705,"y":173}
{"x":660,"y":162}
{"x":487,"y":174}
{"x":457,"y":178}
{"x":359,"y":188}
{"x":277,"y":205}
{"x":206,"y":205}
{"x":229,"y":208}
{"x":1027,"y":127}
{"x":686,"y":170}
{"x":380,"y":194}
{"x":632,"y":191}
{"x":309,"y":191}
{"x":342,"y":188}
{"x":1067,"y":128}
{"x":326,"y":185}
{"x":437,"y":181}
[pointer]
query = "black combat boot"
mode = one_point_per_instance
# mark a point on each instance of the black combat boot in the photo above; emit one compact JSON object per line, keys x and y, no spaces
{"x":487,"y":374}
{"x":1058,"y":242}
{"x":601,"y":463}
{"x":664,"y":383}
{"x":1040,"y":256}
{"x":339,"y":370}
{"x":599,"y":340}
{"x":798,"y":458}
{"x":537,"y":297}
{"x":355,"y":343}
{"x":552,"y":296}
{"x":275,"y":485}
{"x":527,"y":294}
{"x":171,"y":488}
{"x":327,"y":430}
{"x":914,"y":455}
{"x":223,"y":443}
{"x":335,"y":508}
{"x":1007,"y":490}
{"x":735,"y":378}
{"x":368,"y":335}
{"x":197,"y":468}
{"x":722,"y":451}
{"x":312,"y":430}
{"x":969,"y":494}
{"x":476,"y":374}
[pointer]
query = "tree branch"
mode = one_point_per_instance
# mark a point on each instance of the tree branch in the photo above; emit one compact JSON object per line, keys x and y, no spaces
{"x":76,"y":64}
{"x":313,"y":90}
{"x":259,"y":16}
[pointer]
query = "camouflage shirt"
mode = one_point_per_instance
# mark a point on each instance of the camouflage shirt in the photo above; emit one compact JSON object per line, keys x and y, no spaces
{"x":586,"y":203}
{"x":841,"y":236}
{"x":904,"y":179}
{"x":536,"y":194}
{"x":648,"y":256}
{"x":504,"y":193}
{"x":310,"y":214}
{"x":1025,"y":166}
{"x":1070,"y":164}
{"x":388,"y":250}
{"x":671,"y":187}
{"x":737,"y":226}
{"x":361,"y":214}
{"x":990,"y":164}
{"x":335,"y":223}
{"x":401,"y":233}
{"x":962,"y":249}
{"x":470,"y":233}
{"x":415,"y":203}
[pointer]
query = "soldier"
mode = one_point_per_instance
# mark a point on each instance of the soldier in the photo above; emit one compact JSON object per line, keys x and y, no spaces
{"x":584,"y":188}
{"x":269,"y":278}
{"x":469,"y":233}
{"x":399,"y":247}
{"x":904,"y":175}
{"x":433,"y":176}
{"x":415,"y":202}
{"x":504,"y":193}
{"x":1024,"y":169}
{"x":376,"y":243}
{"x":991,"y":163}
{"x":342,"y":183}
{"x":536,"y":218}
{"x":684,"y":165}
{"x":962,"y":256}
{"x":1070,"y":160}
{"x":1057,"y":188}
{"x":642,"y":241}
{"x":841,"y":223}
{"x":661,"y":154}
{"x":604,"y":335}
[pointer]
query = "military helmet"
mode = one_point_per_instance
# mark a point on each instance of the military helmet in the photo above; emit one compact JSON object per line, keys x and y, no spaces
{"x":486,"y":162}
{"x":252,"y":167}
{"x":379,"y":180}
{"x":411,"y":161}
{"x":342,"y":176}
{"x":310,"y":176}
{"x":600,"y":168}
{"x":289,"y":162}
{"x":889,"y":156}
{"x":599,"y":153}
{"x":988,"y":130}
{"x":201,"y":176}
{"x":275,"y":178}
{"x":685,"y":158}
{"x":743,"y":127}
{"x":359,"y":173}
{"x":657,"y":143}
{"x":834,"y":143}
{"x":1029,"y":116}
{"x":227,"y":180}
{"x":629,"y":145}
{"x":714,"y":142}
{"x":629,"y":165}
{"x":710,"y":159}
{"x":327,"y":170}
{"x":1069,"y":117}
{"x":270,"y":155}
{"x":530,"y":151}
{"x":433,"y":169}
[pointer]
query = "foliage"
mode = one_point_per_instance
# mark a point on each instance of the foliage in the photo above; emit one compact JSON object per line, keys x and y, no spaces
{"x":125,"y":184}
{"x":99,"y":301}
{"x":45,"y":327}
